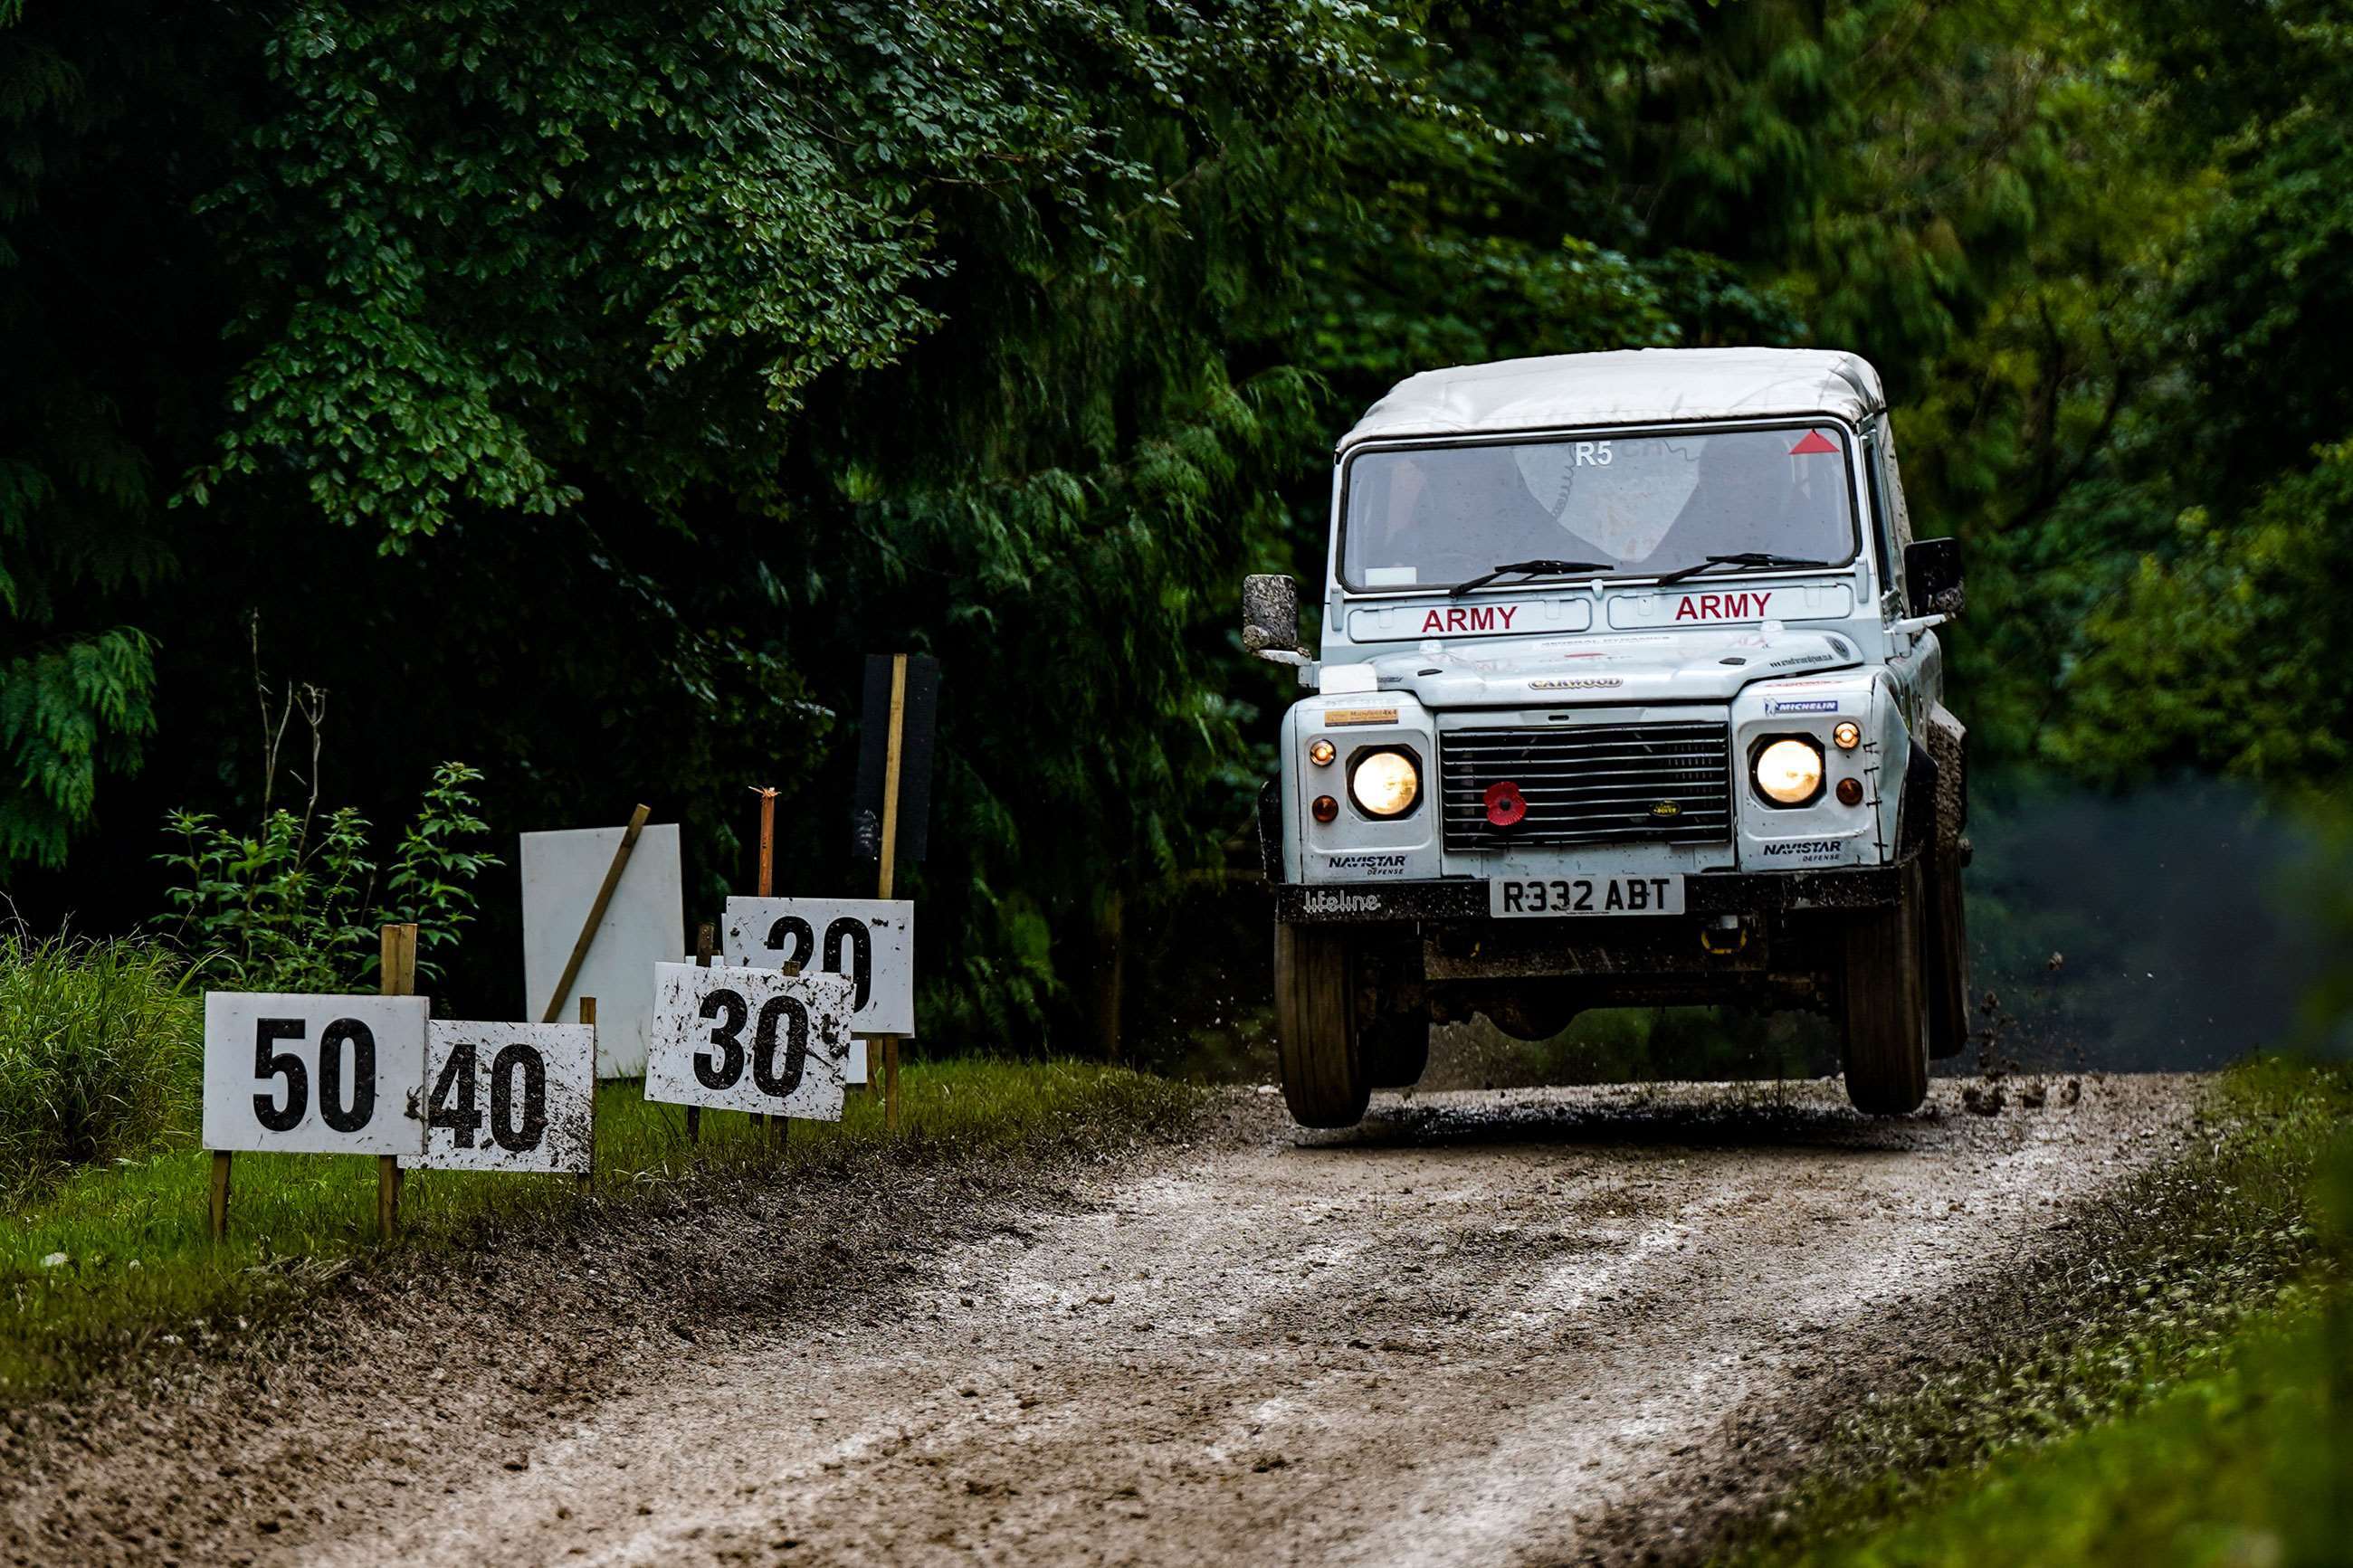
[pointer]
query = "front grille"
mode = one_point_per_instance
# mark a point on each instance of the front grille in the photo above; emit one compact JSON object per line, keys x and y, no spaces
{"x":1591,"y":784}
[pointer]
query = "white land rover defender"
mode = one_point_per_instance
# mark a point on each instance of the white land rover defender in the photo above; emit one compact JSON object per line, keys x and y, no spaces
{"x":1628,"y":694}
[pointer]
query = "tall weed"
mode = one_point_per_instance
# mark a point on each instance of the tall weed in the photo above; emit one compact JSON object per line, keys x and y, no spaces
{"x":99,"y":1056}
{"x":297,"y":906}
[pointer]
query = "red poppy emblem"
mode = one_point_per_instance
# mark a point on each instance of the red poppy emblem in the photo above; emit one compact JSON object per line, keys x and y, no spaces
{"x":1505,"y":804}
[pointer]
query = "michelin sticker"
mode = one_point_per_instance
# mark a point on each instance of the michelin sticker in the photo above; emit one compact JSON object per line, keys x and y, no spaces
{"x":1801,"y":705}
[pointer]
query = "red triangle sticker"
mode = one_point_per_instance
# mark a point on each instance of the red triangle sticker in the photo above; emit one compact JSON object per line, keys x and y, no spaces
{"x":1813,"y":442}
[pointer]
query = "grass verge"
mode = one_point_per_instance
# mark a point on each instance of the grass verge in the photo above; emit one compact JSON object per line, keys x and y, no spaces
{"x":96,"y":1057}
{"x":116,"y":1260}
{"x":2175,"y":1387}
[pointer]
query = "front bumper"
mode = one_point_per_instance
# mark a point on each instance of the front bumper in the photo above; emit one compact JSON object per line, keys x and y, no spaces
{"x":1704,"y":893}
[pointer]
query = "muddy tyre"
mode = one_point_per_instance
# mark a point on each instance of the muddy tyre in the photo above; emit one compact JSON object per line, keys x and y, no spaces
{"x":1323,"y":1080}
{"x":1885,"y":1002}
{"x":1948,"y":959}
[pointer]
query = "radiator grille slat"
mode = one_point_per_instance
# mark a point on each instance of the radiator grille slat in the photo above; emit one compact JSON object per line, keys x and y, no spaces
{"x":1591,"y":784}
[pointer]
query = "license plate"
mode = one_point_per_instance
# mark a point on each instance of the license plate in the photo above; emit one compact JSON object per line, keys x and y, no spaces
{"x":1512,"y":897}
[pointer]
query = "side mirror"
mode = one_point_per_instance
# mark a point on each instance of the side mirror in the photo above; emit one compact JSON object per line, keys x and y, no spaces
{"x":1932,"y":576}
{"x":1270,"y":614}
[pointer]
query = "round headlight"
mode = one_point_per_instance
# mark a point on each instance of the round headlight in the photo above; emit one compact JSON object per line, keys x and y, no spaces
{"x":1789,"y":771}
{"x":1385,"y":783}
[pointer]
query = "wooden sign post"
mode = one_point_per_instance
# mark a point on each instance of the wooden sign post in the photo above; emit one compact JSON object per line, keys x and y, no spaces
{"x":768,"y":840}
{"x":587,"y":1178}
{"x":397,"y":970}
{"x":892,"y":755}
{"x":894,"y":795}
{"x":220,"y":1194}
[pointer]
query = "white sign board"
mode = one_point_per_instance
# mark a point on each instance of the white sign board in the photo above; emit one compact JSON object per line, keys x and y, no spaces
{"x":872,"y":940}
{"x":749,"y":1039}
{"x":509,"y":1097}
{"x":644,"y":925}
{"x":313,"y":1075}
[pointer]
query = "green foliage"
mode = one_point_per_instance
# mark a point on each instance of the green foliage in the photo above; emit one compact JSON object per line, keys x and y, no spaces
{"x":99,"y":1056}
{"x":296,"y":906}
{"x":674,"y":358}
{"x":2245,"y":1463}
{"x":87,"y":409}
{"x":2173,"y":1385}
{"x":68,"y":712}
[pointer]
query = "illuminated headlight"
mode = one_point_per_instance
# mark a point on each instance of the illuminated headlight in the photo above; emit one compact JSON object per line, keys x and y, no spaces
{"x":1789,"y":771}
{"x":1385,"y":783}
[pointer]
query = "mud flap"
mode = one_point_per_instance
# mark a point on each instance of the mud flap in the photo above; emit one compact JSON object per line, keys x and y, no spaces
{"x":1269,"y":830}
{"x":1947,"y":944}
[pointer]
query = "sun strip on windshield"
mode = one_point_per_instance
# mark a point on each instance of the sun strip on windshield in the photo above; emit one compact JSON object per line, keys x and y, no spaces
{"x":1344,"y":497}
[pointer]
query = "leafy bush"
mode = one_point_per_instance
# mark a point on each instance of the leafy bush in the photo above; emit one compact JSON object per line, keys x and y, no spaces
{"x":97,"y":1054}
{"x":292,"y":910}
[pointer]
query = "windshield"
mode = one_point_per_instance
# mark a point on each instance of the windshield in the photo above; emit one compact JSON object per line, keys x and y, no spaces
{"x":1433,"y":517}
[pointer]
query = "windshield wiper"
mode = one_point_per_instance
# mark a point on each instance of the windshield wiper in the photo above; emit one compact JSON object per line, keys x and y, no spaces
{"x":1745,"y":558}
{"x":1513,"y":568}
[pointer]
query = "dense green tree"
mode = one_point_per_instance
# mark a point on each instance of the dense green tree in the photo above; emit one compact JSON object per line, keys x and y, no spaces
{"x":582,"y":392}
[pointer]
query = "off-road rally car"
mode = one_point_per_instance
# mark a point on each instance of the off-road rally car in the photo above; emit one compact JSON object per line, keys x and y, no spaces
{"x":1628,"y":694}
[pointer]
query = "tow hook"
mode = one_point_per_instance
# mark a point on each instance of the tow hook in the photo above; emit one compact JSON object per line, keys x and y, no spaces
{"x":1724,"y":936}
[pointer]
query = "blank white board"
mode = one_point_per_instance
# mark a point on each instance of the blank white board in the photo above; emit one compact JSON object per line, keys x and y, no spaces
{"x":644,"y":925}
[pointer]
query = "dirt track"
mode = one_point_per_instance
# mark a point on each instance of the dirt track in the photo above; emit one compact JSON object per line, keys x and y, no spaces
{"x":1485,"y":1328}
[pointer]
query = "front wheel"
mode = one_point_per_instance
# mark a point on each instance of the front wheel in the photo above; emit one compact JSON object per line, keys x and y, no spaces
{"x":1324,"y":1080}
{"x":1886,"y":1003}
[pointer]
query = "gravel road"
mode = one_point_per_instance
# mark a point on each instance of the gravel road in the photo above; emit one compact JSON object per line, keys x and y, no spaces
{"x":1484,"y":1327}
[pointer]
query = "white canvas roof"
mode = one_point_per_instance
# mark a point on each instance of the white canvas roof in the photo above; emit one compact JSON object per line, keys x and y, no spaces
{"x":1624,"y":386}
